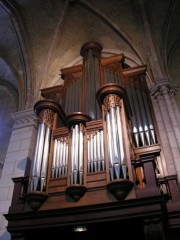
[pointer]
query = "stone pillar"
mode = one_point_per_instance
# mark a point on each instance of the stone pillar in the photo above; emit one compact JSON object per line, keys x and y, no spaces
{"x":167,"y":114}
{"x":18,"y":159}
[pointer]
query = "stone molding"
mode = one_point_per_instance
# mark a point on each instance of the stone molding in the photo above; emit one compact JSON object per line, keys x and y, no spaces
{"x":163,"y":87}
{"x":24,"y":118}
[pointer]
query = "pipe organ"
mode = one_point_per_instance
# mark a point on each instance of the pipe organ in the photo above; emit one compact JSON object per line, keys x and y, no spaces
{"x":102,"y":121}
{"x":97,"y":157}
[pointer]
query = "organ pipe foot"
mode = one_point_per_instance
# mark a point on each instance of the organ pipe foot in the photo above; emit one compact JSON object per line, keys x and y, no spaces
{"x":120,"y":188}
{"x":76,"y":191}
{"x":36,"y":199}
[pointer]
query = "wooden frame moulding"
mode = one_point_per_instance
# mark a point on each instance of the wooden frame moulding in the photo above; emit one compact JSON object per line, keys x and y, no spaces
{"x":114,"y":62}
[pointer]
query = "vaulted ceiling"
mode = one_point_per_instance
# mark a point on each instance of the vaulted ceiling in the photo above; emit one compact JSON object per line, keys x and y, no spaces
{"x":39,"y":37}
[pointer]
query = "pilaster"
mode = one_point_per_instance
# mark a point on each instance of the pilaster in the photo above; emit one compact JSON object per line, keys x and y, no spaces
{"x":167,"y":114}
{"x":18,"y":158}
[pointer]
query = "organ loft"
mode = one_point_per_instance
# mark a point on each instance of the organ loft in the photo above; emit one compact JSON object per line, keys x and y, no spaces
{"x":97,"y":157}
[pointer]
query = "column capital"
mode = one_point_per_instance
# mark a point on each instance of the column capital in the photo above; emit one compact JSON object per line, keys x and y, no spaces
{"x":163,"y":87}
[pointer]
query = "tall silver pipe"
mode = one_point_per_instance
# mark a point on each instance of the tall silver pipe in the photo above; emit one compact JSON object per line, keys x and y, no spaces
{"x":98,"y":150}
{"x":66,"y":160}
{"x":81,"y":147}
{"x":114,"y":135}
{"x":72,"y":149}
{"x":60,"y":158}
{"x":151,"y":127}
{"x":143,"y":114}
{"x":64,"y":157}
{"x":39,"y":151}
{"x":121,"y":144}
{"x":76,"y":147}
{"x":95,"y":153}
{"x":54,"y":158}
{"x":39,"y":136}
{"x":38,"y":159}
{"x":34,"y":169}
{"x":45,"y":158}
{"x":110,"y":146}
{"x":91,"y":153}
{"x":109,"y":133}
{"x":120,"y":134}
{"x":139,"y":120}
{"x":74,"y":156}
{"x":102,"y":149}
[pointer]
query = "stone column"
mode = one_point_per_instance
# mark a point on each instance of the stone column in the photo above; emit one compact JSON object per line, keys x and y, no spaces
{"x":18,"y":159}
{"x":163,"y":92}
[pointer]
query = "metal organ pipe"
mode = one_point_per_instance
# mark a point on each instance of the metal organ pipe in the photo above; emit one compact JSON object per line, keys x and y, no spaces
{"x":54,"y":158}
{"x":40,"y":163}
{"x":95,"y":153}
{"x":95,"y":146}
{"x":139,"y":120}
{"x":115,"y":144}
{"x":102,"y":149}
{"x":120,"y":134}
{"x":45,"y":159}
{"x":38,"y":157}
{"x":117,"y":165}
{"x":113,"y":97}
{"x":77,"y":155}
{"x":81,"y":153}
{"x":98,"y":152}
{"x":76,"y":122}
{"x":60,"y":155}
{"x":110,"y":146}
{"x":143,"y":129}
{"x":57,"y":159}
{"x":143,"y":114}
{"x":151,"y":127}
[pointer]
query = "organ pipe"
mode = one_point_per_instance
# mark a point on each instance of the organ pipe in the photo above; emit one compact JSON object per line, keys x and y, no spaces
{"x":60,"y":155}
{"x":45,"y":159}
{"x":102,"y":149}
{"x":151,"y":127}
{"x":76,"y":122}
{"x":95,"y":146}
{"x":45,"y":110}
{"x":81,"y":154}
{"x":54,"y":158}
{"x":142,"y":125}
{"x":38,"y":157}
{"x":110,"y":97}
